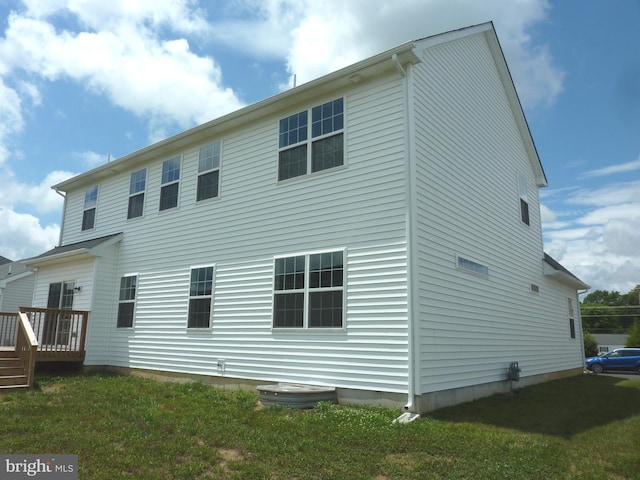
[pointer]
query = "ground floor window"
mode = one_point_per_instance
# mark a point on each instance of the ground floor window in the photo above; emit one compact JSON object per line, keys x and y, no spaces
{"x":127,"y":301}
{"x":200,"y":294}
{"x":309,"y":291}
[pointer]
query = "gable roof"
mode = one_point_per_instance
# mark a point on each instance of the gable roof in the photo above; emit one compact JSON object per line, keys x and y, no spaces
{"x":552,"y":268}
{"x":4,"y":260}
{"x":65,"y":252}
{"x":382,"y":63}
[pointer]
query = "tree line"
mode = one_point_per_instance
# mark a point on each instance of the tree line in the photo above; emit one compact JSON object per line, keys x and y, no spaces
{"x":603,"y":311}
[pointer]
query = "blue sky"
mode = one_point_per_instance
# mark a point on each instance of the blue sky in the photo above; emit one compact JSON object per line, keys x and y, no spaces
{"x":84,"y":80}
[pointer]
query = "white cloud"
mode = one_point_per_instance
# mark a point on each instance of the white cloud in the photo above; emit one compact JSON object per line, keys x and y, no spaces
{"x":613,"y":169}
{"x":92,"y":159}
{"x":601,"y":246}
{"x":38,"y":197}
{"x":120,"y":56}
{"x":22,"y":236}
{"x":11,"y":120}
{"x":313,"y":43}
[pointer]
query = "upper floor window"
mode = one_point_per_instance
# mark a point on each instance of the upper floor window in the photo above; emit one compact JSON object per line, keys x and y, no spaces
{"x":309,"y":291}
{"x":298,"y":155}
{"x":127,"y":301}
{"x":170,"y":183}
{"x":89,"y":213}
{"x":137,"y":187}
{"x":523,"y":188}
{"x":200,"y":293}
{"x":208,"y":172}
{"x":572,"y":321}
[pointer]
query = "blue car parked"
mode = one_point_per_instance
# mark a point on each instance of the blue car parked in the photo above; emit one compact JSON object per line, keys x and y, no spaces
{"x":619,"y":359}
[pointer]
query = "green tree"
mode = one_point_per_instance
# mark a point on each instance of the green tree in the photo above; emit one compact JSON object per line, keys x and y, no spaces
{"x":603,"y":297}
{"x":590,"y":345}
{"x":609,"y":312}
{"x":633,"y":340}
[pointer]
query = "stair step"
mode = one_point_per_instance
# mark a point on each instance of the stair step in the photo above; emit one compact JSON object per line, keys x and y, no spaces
{"x":8,"y":380}
{"x":9,"y":360}
{"x":7,"y":353}
{"x":9,"y":388}
{"x":13,"y":370}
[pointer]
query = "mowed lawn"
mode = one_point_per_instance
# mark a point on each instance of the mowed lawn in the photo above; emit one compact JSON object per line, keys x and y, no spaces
{"x":586,"y":427}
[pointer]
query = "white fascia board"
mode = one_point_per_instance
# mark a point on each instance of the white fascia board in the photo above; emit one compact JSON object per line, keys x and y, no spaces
{"x":550,"y":271}
{"x":60,"y":257}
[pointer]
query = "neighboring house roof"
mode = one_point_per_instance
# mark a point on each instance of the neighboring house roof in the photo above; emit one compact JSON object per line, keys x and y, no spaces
{"x":4,"y":260}
{"x":12,"y":271}
{"x":610,"y":338}
{"x":552,"y":268}
{"x":65,"y":252}
{"x":391,"y":60}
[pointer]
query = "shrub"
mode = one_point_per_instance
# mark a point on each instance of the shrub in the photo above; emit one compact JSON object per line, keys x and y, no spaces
{"x":590,"y":345}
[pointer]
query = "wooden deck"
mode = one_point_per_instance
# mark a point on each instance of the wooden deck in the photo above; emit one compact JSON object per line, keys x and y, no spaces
{"x":61,"y":334}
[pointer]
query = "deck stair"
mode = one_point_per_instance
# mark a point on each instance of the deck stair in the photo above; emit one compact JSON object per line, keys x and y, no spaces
{"x":13,"y":374}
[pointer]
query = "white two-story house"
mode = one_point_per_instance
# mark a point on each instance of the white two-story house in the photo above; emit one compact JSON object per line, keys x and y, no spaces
{"x":376,"y":230}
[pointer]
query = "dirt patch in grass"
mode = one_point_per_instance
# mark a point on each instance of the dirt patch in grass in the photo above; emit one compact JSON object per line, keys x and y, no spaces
{"x":54,"y":388}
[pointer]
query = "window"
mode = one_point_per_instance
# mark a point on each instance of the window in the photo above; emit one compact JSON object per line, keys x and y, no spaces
{"x":127,"y":301}
{"x":208,"y":172}
{"x":471,"y":266}
{"x":170,"y":182}
{"x":309,"y":291}
{"x":296,"y":156}
{"x":524,"y":199}
{"x":89,"y":213}
{"x":572,"y":322}
{"x":137,"y":187}
{"x":200,"y":293}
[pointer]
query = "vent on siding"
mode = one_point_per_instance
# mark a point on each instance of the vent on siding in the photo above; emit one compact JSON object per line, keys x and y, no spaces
{"x":535,"y":288}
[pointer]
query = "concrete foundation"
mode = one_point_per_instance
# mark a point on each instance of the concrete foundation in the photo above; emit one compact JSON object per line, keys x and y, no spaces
{"x":424,"y":403}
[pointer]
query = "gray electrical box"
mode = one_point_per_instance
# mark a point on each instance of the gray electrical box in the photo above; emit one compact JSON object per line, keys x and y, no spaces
{"x":514,"y":372}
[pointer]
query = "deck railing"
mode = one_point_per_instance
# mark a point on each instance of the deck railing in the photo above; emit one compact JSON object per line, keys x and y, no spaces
{"x":26,"y":346}
{"x":8,"y":329}
{"x":61,"y":333}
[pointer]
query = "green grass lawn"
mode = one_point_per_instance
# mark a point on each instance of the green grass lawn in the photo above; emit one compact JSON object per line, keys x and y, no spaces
{"x":586,"y":427}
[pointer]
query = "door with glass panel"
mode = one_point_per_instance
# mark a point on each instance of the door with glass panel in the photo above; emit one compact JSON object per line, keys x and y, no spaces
{"x":56,"y":328}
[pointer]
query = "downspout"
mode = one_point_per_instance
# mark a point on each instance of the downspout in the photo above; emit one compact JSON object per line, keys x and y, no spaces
{"x":579,"y":316}
{"x":64,"y":209}
{"x":410,"y":406}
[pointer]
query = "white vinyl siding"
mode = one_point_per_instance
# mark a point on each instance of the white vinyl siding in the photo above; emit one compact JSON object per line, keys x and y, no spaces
{"x":363,"y":211}
{"x":469,"y":155}
{"x":17,"y":293}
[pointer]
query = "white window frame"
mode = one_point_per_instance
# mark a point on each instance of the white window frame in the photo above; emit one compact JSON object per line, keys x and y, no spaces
{"x":572,"y":319}
{"x":217,"y":168}
{"x":93,"y":205}
{"x":137,"y":193}
{"x":311,"y":140}
{"x":169,"y":183}
{"x":466,"y":265}
{"x":134,"y":301}
{"x":307,"y":290}
{"x":523,"y":193}
{"x":200,"y":297}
